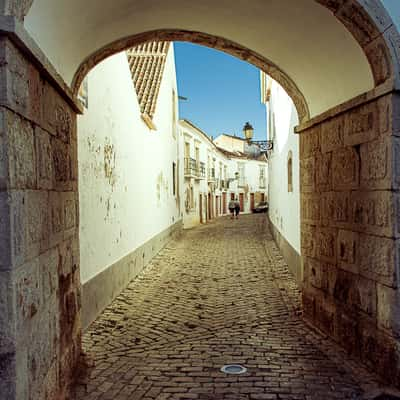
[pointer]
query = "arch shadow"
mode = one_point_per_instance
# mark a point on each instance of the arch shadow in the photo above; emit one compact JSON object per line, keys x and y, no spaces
{"x":204,"y":39}
{"x":369,"y":23}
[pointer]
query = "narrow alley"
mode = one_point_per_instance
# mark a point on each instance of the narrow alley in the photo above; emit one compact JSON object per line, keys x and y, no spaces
{"x":218,"y":295}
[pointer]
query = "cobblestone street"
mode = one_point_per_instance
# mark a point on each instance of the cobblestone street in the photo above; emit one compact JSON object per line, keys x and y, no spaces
{"x":219,"y":295}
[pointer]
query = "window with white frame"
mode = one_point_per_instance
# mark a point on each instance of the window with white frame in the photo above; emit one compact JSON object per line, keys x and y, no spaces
{"x":290,"y":171}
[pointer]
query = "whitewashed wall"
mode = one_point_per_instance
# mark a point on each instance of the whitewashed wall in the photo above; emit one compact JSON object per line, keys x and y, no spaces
{"x":253,"y":175}
{"x":284,"y":206}
{"x":125,"y":170}
{"x":196,"y":138}
{"x":252,"y":180}
{"x":229,"y":143}
{"x":208,"y":149}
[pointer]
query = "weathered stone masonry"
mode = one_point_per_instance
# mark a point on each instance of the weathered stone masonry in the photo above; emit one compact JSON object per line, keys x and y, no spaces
{"x":39,"y":254}
{"x":350,"y":177}
{"x":350,"y":199}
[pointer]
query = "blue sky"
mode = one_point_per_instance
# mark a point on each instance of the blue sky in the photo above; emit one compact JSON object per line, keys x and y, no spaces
{"x":223,"y":92}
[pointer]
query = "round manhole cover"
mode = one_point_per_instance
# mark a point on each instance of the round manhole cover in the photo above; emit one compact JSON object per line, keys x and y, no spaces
{"x":233,"y":369}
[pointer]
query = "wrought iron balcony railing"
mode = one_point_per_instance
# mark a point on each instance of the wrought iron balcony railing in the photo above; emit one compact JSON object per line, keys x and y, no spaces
{"x":194,"y":168}
{"x":264,"y":145}
{"x":190,"y":167}
{"x":200,"y":170}
{"x":211,"y":174}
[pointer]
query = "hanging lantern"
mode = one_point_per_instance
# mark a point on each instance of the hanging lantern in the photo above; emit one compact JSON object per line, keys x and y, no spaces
{"x":248,"y":131}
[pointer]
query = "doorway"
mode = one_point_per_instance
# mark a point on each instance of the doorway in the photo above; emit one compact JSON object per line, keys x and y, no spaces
{"x":201,"y":208}
{"x":209,"y":208}
{"x":241,"y":201}
{"x":224,"y":203}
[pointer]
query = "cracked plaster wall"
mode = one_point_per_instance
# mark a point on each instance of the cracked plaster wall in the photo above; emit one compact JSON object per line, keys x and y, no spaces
{"x":125,"y":170}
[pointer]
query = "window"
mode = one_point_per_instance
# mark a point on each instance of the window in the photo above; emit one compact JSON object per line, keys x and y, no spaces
{"x":198,"y":169}
{"x":187,"y":161}
{"x":174,"y":179}
{"x":187,"y":149}
{"x":290,"y":172}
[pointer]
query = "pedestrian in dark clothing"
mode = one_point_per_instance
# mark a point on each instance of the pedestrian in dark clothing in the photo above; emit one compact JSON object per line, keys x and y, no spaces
{"x":231,"y":206}
{"x":237,"y":208}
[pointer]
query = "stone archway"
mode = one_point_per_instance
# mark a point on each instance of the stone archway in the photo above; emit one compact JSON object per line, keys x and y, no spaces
{"x":369,"y":24}
{"x":349,"y":178}
{"x":204,"y":39}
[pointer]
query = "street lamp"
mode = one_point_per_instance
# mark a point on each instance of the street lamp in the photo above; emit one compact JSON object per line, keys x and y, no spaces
{"x":264,"y":145}
{"x":248,"y":131}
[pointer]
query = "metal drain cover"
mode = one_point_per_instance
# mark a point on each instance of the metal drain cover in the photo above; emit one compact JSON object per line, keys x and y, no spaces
{"x":234,"y":369}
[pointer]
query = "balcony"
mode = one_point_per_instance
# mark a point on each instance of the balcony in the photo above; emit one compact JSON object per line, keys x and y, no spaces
{"x":200,"y":170}
{"x":194,"y":169}
{"x":211,"y":174}
{"x":190,"y":167}
{"x":224,"y":184}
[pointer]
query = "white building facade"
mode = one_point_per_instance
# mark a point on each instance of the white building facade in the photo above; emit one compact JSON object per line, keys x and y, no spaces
{"x":143,"y":175}
{"x":283,"y":172}
{"x":214,"y":175}
{"x":128,"y":171}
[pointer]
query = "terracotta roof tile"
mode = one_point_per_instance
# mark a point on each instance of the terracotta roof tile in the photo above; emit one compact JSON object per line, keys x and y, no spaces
{"x":147,"y":63}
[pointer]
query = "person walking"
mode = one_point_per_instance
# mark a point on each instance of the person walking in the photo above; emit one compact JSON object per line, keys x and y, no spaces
{"x":237,"y":208}
{"x":231,"y":206}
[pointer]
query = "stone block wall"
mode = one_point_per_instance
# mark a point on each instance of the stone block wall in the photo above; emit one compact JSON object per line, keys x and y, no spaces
{"x":350,"y":177}
{"x":39,"y":254}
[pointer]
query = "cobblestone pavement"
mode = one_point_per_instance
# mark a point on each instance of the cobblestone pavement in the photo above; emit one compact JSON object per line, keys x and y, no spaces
{"x":221,"y":294}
